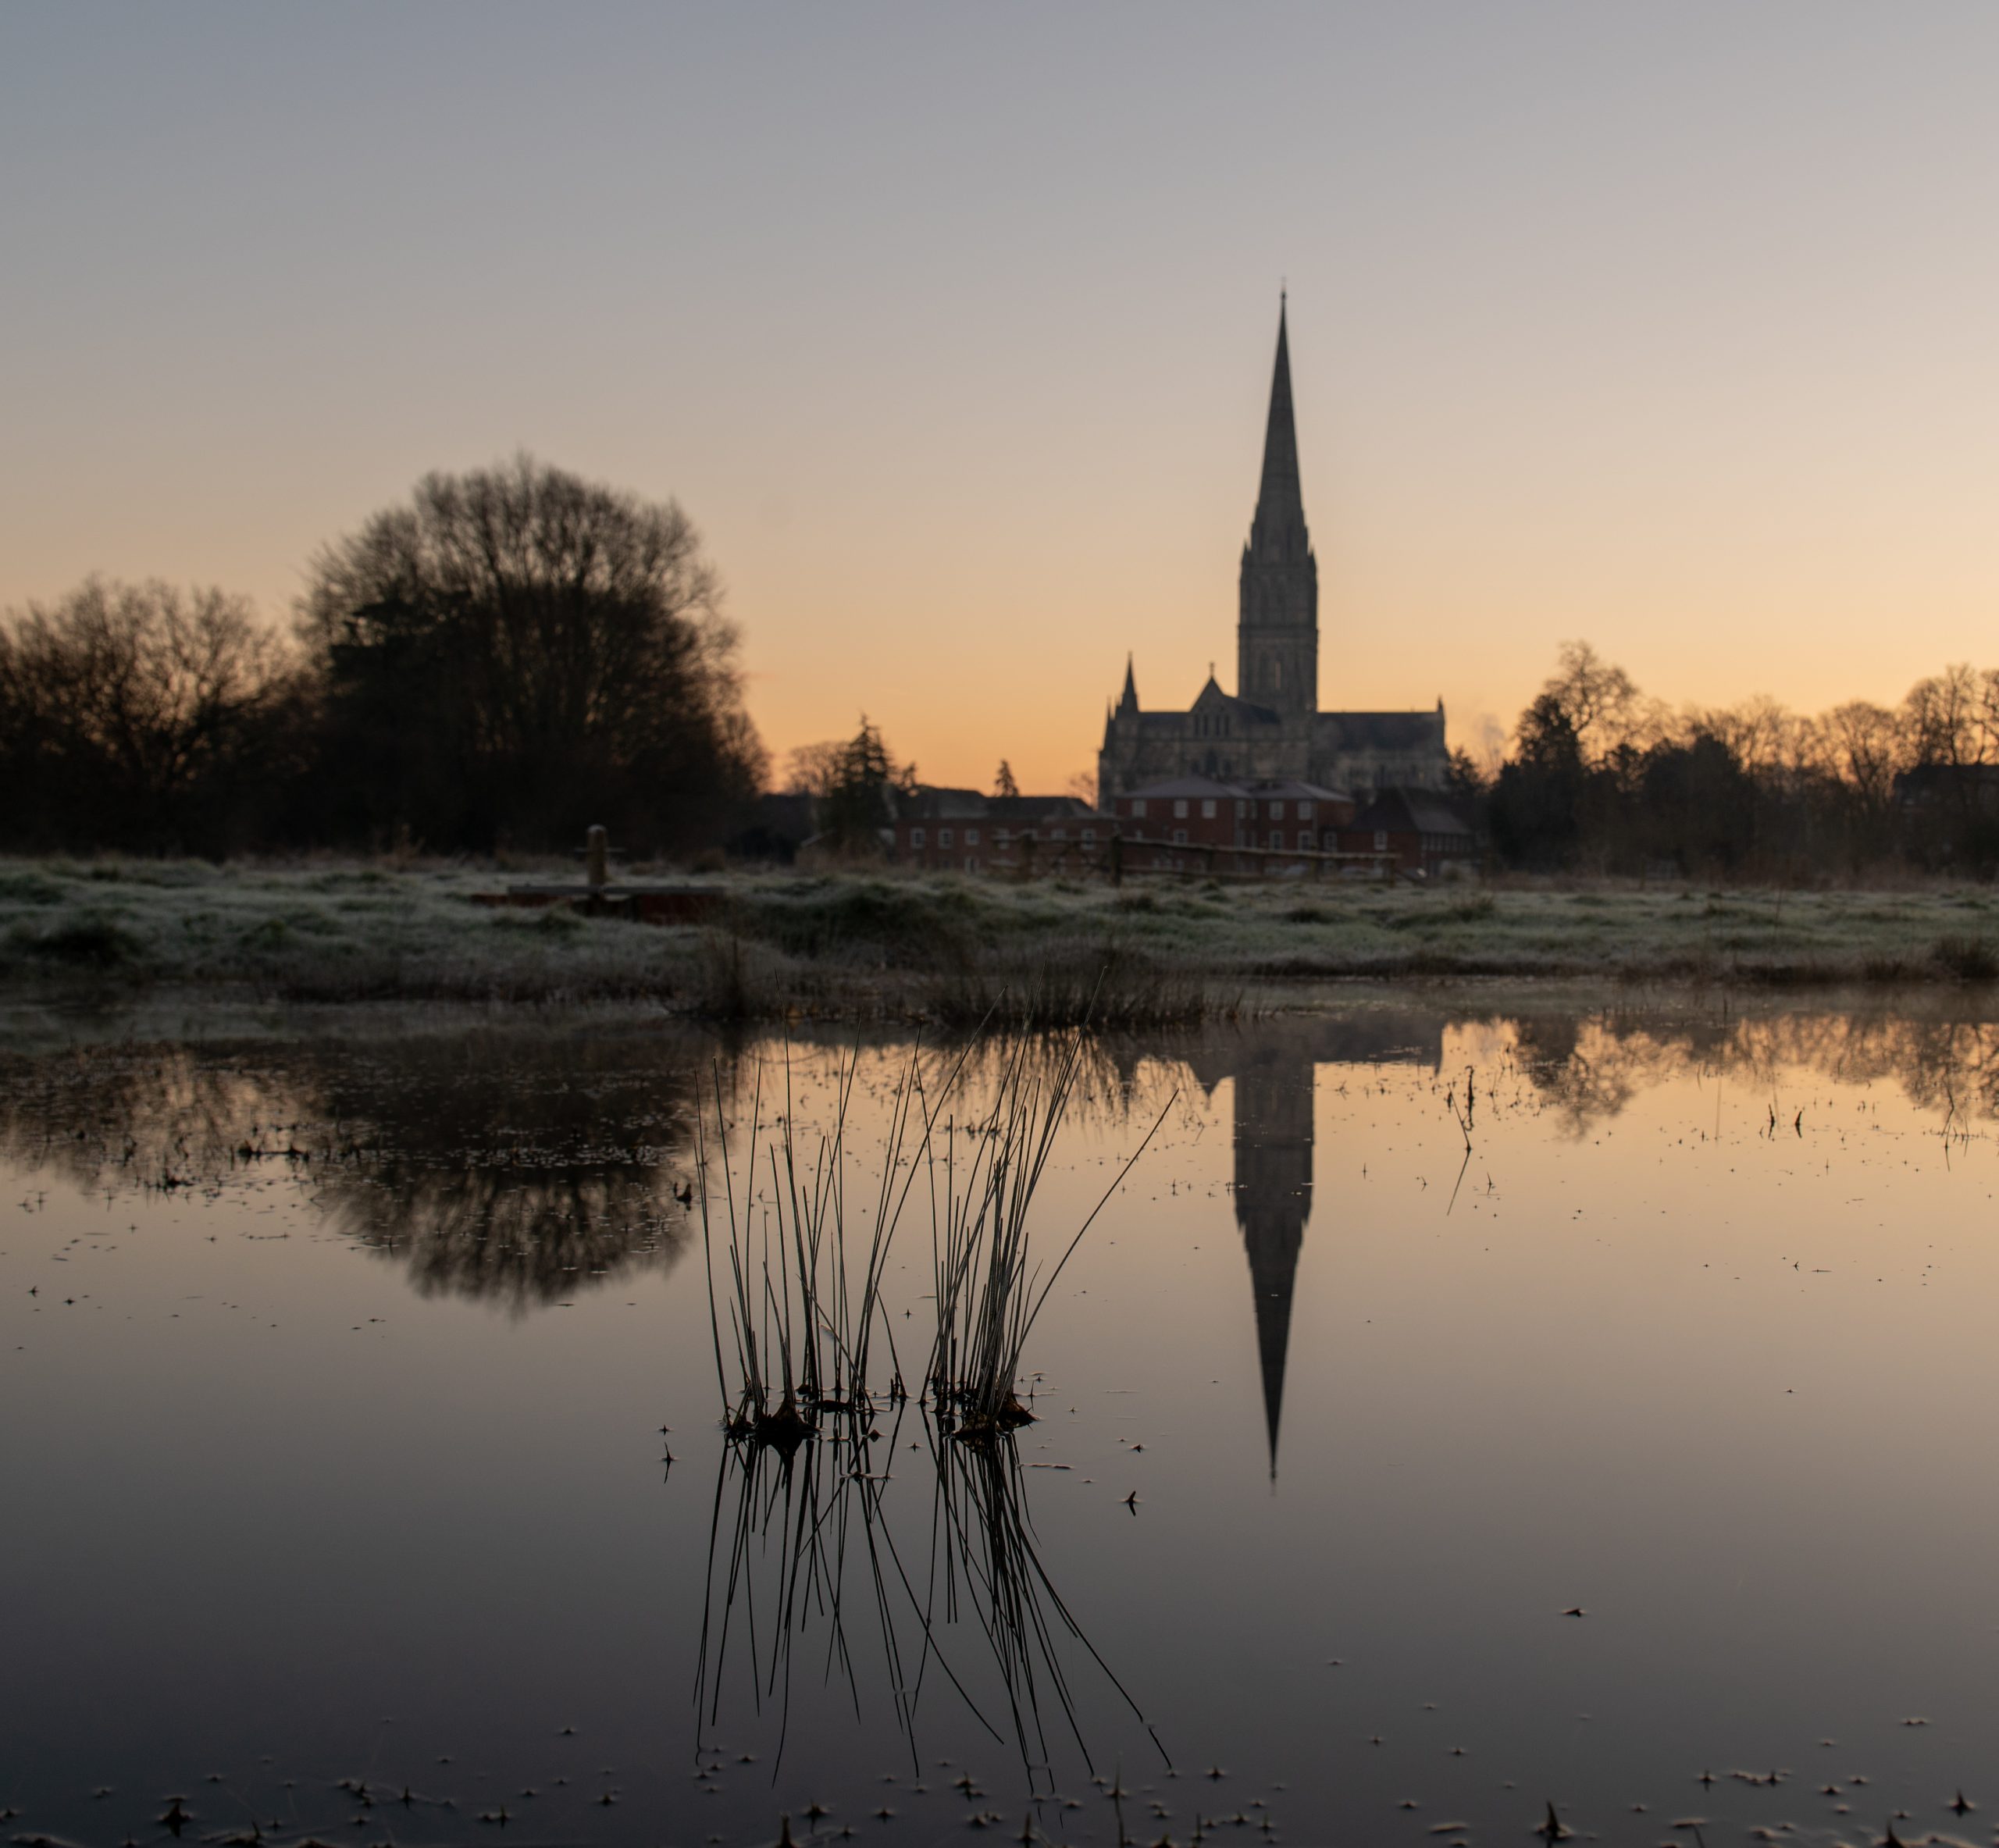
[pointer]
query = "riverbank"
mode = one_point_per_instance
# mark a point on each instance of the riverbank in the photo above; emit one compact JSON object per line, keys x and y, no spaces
{"x":842,"y":945}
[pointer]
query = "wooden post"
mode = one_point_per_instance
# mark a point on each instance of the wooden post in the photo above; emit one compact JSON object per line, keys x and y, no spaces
{"x":1117,"y":859}
{"x":597,"y":856}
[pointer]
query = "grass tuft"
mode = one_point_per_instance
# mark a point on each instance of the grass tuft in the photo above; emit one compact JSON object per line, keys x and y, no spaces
{"x":1969,"y":958}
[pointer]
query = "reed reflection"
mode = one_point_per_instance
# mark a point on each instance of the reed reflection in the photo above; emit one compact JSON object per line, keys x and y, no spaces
{"x":828,"y":1549}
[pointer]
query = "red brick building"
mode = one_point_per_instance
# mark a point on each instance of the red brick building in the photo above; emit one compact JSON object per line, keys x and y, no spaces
{"x":962,"y":830}
{"x":1200,"y":812}
{"x":1422,"y":832}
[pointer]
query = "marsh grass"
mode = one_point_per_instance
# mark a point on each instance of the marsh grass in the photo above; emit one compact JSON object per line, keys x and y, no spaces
{"x":990,"y":1288}
{"x":1106,"y":984}
{"x":796,"y":1255}
{"x":944,"y":947}
{"x":1969,"y":958}
{"x":800,"y":1326}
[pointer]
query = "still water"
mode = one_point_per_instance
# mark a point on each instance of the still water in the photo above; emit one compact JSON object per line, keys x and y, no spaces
{"x":1460,"y":1408}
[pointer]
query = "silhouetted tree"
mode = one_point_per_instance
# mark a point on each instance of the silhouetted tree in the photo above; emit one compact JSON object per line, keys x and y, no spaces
{"x":1003,"y":780}
{"x":1538,"y":796}
{"x":517,"y":653}
{"x":143,"y":716}
{"x":859,"y":801}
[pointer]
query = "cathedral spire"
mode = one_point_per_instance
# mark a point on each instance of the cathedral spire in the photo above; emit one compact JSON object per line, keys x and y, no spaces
{"x":1276,"y":637}
{"x":1280,"y":500}
{"x":1129,"y":703}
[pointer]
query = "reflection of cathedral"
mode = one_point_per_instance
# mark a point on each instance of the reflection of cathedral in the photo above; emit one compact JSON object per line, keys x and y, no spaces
{"x":1274,"y":1070}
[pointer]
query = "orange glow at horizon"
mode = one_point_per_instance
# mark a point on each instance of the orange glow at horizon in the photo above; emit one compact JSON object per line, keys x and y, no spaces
{"x":1666,"y":329}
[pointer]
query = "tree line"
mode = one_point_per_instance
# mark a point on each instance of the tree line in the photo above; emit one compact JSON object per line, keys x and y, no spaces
{"x":1601,"y":778}
{"x":510,"y":655}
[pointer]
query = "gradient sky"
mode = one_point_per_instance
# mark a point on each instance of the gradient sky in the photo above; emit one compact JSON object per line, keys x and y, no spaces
{"x":1673,"y":326}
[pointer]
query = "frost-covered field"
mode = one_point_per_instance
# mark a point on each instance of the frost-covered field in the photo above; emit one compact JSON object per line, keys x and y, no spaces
{"x":319,"y":930}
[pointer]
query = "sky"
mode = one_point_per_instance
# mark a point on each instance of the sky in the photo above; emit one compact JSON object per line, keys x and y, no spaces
{"x":1672,"y":327}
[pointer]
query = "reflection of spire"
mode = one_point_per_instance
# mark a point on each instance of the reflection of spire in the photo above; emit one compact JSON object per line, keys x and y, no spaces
{"x":1273,"y":1201}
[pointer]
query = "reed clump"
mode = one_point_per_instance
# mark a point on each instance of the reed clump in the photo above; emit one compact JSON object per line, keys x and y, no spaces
{"x":1104,"y":984}
{"x":796,"y":1252}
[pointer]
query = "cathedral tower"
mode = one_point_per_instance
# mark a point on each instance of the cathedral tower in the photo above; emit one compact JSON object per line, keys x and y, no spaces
{"x":1277,"y":628}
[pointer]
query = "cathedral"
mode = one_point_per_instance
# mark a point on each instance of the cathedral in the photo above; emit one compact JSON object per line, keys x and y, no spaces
{"x":1269,"y":730}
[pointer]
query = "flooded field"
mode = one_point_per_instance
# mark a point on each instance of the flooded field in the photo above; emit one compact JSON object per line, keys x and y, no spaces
{"x":1464,"y":1418}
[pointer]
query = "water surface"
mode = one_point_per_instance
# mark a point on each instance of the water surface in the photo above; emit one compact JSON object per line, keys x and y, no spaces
{"x":335,"y":1374}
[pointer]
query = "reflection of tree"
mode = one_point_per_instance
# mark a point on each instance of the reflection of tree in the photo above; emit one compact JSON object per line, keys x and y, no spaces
{"x":513,"y":1166}
{"x":1945,"y":1057}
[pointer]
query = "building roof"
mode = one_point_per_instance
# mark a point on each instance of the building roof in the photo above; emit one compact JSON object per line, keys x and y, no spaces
{"x":1301,"y":792}
{"x":1026,"y":810}
{"x":1412,"y":811}
{"x":1379,"y":730}
{"x":1185,"y":786}
{"x":930,"y":802}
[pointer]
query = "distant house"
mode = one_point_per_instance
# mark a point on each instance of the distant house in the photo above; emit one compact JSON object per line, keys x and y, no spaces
{"x":1199,"y":811}
{"x":962,"y":830}
{"x":1421,"y":830}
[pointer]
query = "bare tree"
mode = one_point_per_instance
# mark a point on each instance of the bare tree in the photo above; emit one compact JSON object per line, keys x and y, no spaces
{"x":1600,"y":701}
{"x":128,"y":702}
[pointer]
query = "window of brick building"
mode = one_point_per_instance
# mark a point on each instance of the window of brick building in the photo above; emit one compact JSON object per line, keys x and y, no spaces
{"x":1180,"y":837}
{"x":971,"y":837}
{"x":1277,"y":837}
{"x":916,"y":837}
{"x":1304,"y":811}
{"x":1089,"y":837}
{"x":1180,"y":811}
{"x":1277,"y":811}
{"x":1380,"y":840}
{"x":1138,"y":807}
{"x":944,"y":837}
{"x":1207,"y":808}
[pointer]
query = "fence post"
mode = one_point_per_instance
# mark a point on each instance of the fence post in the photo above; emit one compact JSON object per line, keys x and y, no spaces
{"x":597,"y":854}
{"x":1117,"y":859}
